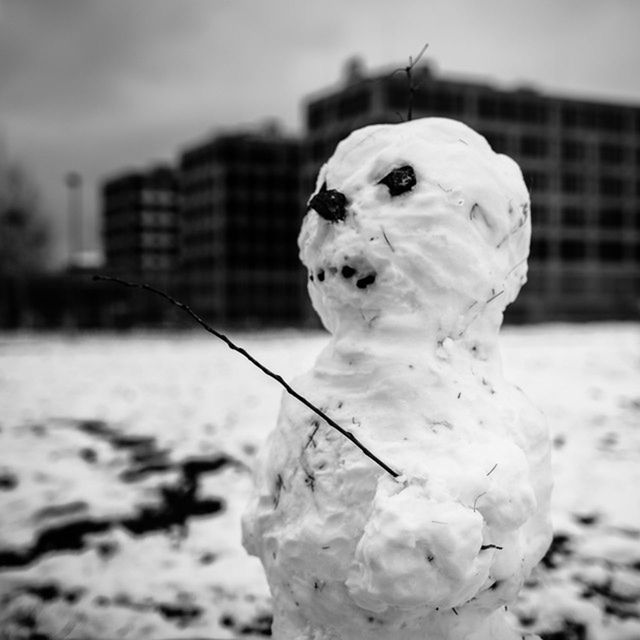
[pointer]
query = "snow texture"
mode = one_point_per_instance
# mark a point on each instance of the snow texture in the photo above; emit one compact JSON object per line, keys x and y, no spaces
{"x":195,"y":398}
{"x":411,"y":277}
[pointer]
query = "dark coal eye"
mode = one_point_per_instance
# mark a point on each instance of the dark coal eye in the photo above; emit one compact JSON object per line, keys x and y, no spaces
{"x":399,"y":180}
{"x":322,"y":189}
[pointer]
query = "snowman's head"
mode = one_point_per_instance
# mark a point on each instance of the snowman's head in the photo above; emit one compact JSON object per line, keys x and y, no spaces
{"x":420,"y":222}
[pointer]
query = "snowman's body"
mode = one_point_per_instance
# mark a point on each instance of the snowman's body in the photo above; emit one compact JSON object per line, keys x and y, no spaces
{"x":415,"y":242}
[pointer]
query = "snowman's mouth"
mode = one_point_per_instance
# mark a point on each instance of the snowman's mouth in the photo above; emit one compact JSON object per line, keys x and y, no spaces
{"x":358,"y":272}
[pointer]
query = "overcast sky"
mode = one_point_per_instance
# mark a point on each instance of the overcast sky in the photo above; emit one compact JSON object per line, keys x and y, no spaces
{"x":97,"y":85}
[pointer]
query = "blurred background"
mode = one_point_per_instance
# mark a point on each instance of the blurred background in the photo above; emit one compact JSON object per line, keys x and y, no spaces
{"x":176,"y":144}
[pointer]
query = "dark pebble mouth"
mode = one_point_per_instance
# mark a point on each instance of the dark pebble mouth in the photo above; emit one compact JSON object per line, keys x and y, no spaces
{"x":348,"y":273}
{"x":363,"y":283}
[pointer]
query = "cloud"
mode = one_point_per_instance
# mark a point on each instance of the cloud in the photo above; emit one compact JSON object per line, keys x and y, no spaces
{"x":97,"y":84}
{"x":76,"y":57}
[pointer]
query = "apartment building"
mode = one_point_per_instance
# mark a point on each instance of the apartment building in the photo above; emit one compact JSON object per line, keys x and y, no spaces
{"x":140,"y":210}
{"x":140,"y":223}
{"x":580,"y":160}
{"x":240,"y":217}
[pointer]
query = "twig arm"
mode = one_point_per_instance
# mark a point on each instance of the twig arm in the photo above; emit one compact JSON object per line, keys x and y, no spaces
{"x":258,"y":364}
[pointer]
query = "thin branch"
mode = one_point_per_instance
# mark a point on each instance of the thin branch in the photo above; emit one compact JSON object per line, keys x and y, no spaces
{"x":408,"y":70}
{"x":475,"y":502}
{"x":412,"y":88}
{"x":312,"y":436}
{"x":494,"y":296}
{"x":492,"y":469}
{"x":415,"y":62}
{"x":68,"y":628}
{"x":384,"y":235}
{"x":256,"y":363}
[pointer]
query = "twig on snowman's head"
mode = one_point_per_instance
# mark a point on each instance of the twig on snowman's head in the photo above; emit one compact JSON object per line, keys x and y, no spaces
{"x":316,"y":426}
{"x":384,"y":235}
{"x":475,"y":502}
{"x":408,"y":71}
{"x":256,"y":363}
{"x":413,"y":63}
{"x":67,"y":629}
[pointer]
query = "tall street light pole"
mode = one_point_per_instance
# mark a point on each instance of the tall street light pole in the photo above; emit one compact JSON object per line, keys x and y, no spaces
{"x":73,"y":180}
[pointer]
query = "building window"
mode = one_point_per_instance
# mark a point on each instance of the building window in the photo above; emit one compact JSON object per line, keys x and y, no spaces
{"x":593,"y":116}
{"x":610,"y":251}
{"x":508,"y":108}
{"x":611,"y":118}
{"x":611,"y":186}
{"x":533,"y":112}
{"x":569,"y":116}
{"x":448,"y":103}
{"x":539,"y":214}
{"x":611,"y":219}
{"x":572,"y":182}
{"x":573,"y":150}
{"x":572,"y":250}
{"x":573,"y":217}
{"x":533,"y":146}
{"x":539,"y":249}
{"x":611,"y":153}
{"x":487,"y":107}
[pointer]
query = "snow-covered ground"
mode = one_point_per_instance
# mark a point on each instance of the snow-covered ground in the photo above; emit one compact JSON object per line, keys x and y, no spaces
{"x":125,"y":463}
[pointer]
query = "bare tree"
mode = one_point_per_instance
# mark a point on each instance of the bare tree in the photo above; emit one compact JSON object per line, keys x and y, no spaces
{"x":23,"y":240}
{"x":23,"y":231}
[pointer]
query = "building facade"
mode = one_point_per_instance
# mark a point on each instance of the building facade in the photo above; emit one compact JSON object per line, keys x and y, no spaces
{"x":140,"y":223}
{"x":580,"y":160}
{"x":240,"y":217}
{"x":140,"y":211}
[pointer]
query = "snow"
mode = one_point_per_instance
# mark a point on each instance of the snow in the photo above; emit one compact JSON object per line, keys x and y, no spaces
{"x":458,"y":237}
{"x":415,"y":241}
{"x":198,"y":399}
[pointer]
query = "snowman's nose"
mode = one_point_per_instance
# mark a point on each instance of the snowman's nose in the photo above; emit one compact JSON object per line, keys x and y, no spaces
{"x":330,"y":204}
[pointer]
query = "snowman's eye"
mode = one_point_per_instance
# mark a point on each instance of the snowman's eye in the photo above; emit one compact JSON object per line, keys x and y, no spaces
{"x":399,"y":180}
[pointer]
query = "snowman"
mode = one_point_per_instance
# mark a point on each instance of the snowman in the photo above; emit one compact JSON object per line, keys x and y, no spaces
{"x":415,"y":241}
